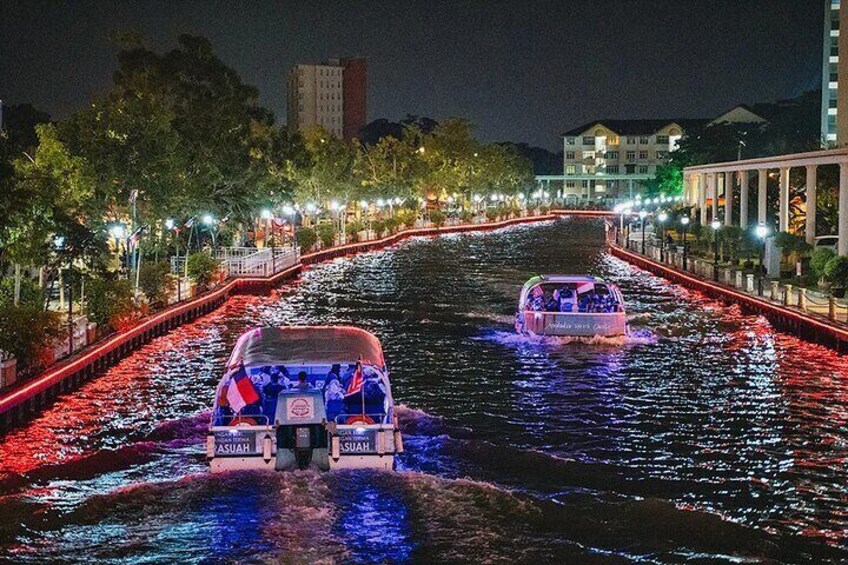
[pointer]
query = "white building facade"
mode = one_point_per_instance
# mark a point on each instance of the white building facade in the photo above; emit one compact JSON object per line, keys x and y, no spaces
{"x":316,"y":98}
{"x":613,"y":152}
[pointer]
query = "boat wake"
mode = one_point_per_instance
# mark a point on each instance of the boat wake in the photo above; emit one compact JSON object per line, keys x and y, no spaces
{"x":633,"y":337}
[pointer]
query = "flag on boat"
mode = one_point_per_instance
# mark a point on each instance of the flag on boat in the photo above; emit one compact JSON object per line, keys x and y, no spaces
{"x":585,"y":287}
{"x":241,"y":391}
{"x":356,"y":382}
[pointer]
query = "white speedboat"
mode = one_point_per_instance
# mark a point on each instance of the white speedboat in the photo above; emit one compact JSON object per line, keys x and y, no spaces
{"x":566,"y":305}
{"x":295,"y":397}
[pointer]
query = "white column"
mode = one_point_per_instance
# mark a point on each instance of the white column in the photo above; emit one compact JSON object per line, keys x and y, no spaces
{"x":702,"y":198}
{"x":713,"y":180}
{"x":687,"y":189}
{"x":762,"y":193}
{"x":728,"y":198}
{"x":810,"y":230}
{"x":784,"y":199}
{"x":743,"y":199}
{"x":842,"y":248}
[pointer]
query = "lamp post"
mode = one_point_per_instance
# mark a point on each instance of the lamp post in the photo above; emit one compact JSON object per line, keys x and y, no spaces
{"x":715,"y":225}
{"x":662,"y":217}
{"x":209,"y":222}
{"x":642,"y":216}
{"x":268,"y":217}
{"x":761,"y":231}
{"x":685,"y":223}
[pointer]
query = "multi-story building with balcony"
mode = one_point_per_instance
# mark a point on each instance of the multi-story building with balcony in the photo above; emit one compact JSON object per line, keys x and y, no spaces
{"x":607,"y":156}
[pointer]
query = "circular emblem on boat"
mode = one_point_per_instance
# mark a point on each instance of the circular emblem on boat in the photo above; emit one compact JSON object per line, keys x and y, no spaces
{"x":301,"y":408}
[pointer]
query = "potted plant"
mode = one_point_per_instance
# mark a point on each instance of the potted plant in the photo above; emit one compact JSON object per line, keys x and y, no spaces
{"x":836,"y":273}
{"x":438,"y":218}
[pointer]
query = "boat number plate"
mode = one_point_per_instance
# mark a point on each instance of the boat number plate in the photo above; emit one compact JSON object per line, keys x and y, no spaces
{"x":352,"y":442}
{"x":235,"y":443}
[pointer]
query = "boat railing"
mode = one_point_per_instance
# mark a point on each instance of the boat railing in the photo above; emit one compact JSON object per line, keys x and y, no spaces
{"x":377,"y":418}
{"x":259,"y":419}
{"x":618,"y":310}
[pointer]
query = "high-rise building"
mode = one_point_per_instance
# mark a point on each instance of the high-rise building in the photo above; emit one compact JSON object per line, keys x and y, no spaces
{"x":834,"y":106}
{"x":332,"y":95}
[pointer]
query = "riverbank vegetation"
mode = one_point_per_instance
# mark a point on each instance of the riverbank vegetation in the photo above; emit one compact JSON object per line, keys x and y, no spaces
{"x":177,"y":157}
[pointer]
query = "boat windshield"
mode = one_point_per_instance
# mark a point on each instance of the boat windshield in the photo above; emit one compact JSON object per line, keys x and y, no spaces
{"x":348,"y":398}
{"x":571,"y":297}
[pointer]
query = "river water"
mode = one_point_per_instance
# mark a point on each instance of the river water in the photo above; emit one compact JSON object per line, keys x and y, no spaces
{"x":704,"y":436}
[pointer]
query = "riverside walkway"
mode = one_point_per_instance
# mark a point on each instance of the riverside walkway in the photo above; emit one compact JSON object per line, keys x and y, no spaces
{"x":805,"y":313}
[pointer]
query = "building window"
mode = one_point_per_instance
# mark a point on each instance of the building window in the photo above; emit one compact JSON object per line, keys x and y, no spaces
{"x":631,"y":140}
{"x":569,"y":184}
{"x":629,"y":169}
{"x":612,"y":169}
{"x":643,"y":139}
{"x":570,"y":169}
{"x":569,"y":140}
{"x":612,"y":140}
{"x":661,"y":155}
{"x":643,"y":169}
{"x":643,"y":154}
{"x":631,"y":155}
{"x":588,"y":140}
{"x":612,"y":155}
{"x":662,"y":140}
{"x":569,"y":154}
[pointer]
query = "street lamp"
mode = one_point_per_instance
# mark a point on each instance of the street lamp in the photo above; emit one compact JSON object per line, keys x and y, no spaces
{"x":642,"y":215}
{"x":762,"y":232}
{"x":715,"y":225}
{"x":662,"y":217}
{"x":685,"y":222}
{"x":209,"y":221}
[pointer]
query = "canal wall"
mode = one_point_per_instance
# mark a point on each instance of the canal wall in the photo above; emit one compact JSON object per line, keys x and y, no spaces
{"x":808,"y":326}
{"x":27,"y":399}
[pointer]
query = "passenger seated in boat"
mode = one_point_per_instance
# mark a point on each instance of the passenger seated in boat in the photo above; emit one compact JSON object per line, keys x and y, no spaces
{"x":566,"y":300}
{"x":334,"y":374}
{"x":553,"y":302}
{"x":585,"y":303}
{"x":334,"y":399}
{"x":270,"y":393}
{"x":302,"y":381}
{"x":537,"y":300}
{"x":348,"y":375}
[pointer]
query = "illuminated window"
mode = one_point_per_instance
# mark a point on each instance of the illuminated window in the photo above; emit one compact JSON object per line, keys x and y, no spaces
{"x":570,"y":169}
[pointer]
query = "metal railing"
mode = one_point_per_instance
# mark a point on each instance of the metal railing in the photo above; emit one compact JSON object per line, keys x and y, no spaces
{"x":788,"y":295}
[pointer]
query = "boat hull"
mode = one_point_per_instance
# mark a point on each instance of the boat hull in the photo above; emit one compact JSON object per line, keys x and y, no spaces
{"x":575,"y":324}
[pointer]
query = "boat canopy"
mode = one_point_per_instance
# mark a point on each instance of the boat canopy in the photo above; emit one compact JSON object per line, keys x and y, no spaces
{"x":307,"y":345}
{"x":578,"y":280}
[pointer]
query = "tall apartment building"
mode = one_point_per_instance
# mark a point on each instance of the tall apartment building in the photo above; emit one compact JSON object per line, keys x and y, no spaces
{"x":332,"y":95}
{"x":834,"y":106}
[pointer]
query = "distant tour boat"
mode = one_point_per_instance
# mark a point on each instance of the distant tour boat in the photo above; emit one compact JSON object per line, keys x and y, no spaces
{"x":295,"y":397}
{"x":566,"y":305}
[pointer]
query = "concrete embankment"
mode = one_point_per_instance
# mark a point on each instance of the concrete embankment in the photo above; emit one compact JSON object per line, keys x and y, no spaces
{"x":808,"y":326}
{"x":29,"y":397}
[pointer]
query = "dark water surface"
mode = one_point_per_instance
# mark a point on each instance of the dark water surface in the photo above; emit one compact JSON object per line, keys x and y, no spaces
{"x":703,"y":437}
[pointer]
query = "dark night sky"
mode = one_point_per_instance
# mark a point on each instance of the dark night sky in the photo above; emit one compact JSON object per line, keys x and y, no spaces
{"x":521,"y":71}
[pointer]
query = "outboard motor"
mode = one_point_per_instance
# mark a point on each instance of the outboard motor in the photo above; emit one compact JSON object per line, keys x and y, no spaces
{"x":301,"y":430}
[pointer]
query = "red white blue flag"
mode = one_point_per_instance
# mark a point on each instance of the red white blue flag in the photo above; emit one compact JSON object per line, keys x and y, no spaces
{"x":356,"y":382}
{"x":241,"y":391}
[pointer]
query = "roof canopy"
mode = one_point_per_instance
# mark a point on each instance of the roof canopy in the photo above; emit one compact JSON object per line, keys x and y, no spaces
{"x":307,"y":345}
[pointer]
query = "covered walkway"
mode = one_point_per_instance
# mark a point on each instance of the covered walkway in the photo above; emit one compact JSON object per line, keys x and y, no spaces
{"x":709,"y":182}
